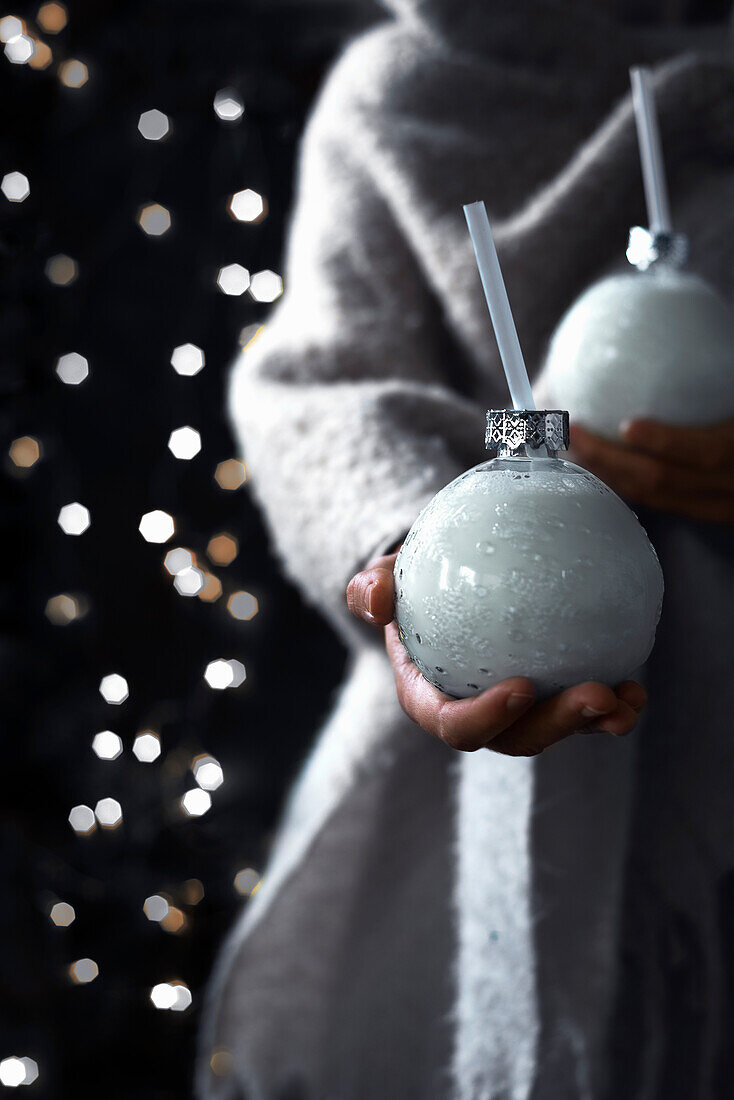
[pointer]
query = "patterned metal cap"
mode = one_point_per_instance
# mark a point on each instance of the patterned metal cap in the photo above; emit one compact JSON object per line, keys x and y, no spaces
{"x":509,"y":431}
{"x":645,"y":249}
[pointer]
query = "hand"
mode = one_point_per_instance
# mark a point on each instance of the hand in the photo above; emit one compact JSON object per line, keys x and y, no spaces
{"x":689,"y":471}
{"x":506,"y":717}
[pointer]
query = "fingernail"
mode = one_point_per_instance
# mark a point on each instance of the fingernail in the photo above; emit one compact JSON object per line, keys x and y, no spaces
{"x":624,"y":427}
{"x":368,"y":599}
{"x":518,"y":700}
{"x":590,"y":712}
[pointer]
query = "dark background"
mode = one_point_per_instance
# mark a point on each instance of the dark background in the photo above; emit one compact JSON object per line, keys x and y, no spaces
{"x":104,"y":444}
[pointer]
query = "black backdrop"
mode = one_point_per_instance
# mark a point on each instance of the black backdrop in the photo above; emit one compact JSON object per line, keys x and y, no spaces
{"x":104,"y":443}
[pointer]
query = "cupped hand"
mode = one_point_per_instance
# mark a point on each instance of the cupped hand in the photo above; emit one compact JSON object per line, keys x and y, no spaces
{"x":506,"y":717}
{"x":689,"y":471}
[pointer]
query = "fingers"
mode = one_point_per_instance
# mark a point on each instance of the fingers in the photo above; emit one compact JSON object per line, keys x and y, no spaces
{"x":704,"y":448}
{"x":505,"y":718}
{"x":657,"y":482}
{"x":551,"y":721}
{"x":370,"y":593}
{"x":465,"y":724}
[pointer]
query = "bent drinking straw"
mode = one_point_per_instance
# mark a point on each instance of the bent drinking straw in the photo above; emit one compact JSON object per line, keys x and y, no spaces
{"x":499,"y":306}
{"x":651,"y":152}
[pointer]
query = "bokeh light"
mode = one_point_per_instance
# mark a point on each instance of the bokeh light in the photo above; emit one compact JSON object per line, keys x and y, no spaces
{"x":62,"y":914}
{"x":20,"y":50}
{"x":230,"y":474}
{"x":156,"y":907}
{"x":222,"y":673}
{"x":25,"y":451}
{"x":208,"y":772}
{"x":16,"y":1071}
{"x":266,"y":286}
{"x":154,"y":219}
{"x":83,"y":971}
{"x":72,"y":368}
{"x":174,"y":921}
{"x":108,"y":812}
{"x":42,"y":56}
{"x":154,"y":125}
{"x":107,"y":745}
{"x":114,"y":688}
{"x":177,"y":560}
{"x":147,"y":747}
{"x":184,"y":443}
{"x":222,"y":548}
{"x":52,"y":17}
{"x":74,"y":518}
{"x":61,"y":270}
{"x":228,"y":106}
{"x":242,"y":605}
{"x":233,"y":279}
{"x":189,"y":582}
{"x":187,"y":360}
{"x":16,"y":188}
{"x":82,"y":820}
{"x":212,"y":589}
{"x":221,"y":1062}
{"x":246,"y":881}
{"x":196,"y":802}
{"x":65,"y":608}
{"x":73,"y":73}
{"x":247,"y":206}
{"x":157,"y":526}
{"x":10,"y":27}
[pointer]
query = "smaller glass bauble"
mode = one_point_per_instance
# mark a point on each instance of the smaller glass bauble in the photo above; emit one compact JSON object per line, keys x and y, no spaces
{"x":657,"y":343}
{"x":526,"y":565}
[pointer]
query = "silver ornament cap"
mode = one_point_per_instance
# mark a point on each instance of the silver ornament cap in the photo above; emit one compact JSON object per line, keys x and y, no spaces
{"x":512,"y":431}
{"x":646,"y":249}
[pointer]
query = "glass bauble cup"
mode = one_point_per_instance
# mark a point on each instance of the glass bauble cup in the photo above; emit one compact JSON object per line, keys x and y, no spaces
{"x":527,"y":565}
{"x":657,"y":343}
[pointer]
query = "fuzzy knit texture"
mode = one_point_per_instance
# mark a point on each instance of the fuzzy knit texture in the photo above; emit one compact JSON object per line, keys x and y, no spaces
{"x":481,"y":928}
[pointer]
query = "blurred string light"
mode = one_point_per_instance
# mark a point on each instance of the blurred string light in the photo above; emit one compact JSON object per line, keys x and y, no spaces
{"x":147,"y":747}
{"x":230,"y":474}
{"x":266,"y":286}
{"x":221,"y":674}
{"x":19,"y":49}
{"x":108,"y":812}
{"x":72,"y":368}
{"x":157,"y":526}
{"x":52,"y":17}
{"x":228,"y":106}
{"x":107,"y":745}
{"x":82,"y":820}
{"x":222,"y":549}
{"x":15,"y":186}
{"x":154,"y":125}
{"x":62,"y":914}
{"x":83,"y":971}
{"x":10,"y":27}
{"x":65,"y":608}
{"x":233,"y":279}
{"x":246,"y":881}
{"x":74,"y":518}
{"x":189,"y":579}
{"x":196,"y":802}
{"x":174,"y":996}
{"x":154,"y":219}
{"x":208,"y":772}
{"x":247,"y":206}
{"x":114,"y":688}
{"x":15,"y":1071}
{"x":61,"y":270}
{"x":187,"y":360}
{"x":242,"y":605}
{"x":25,"y":451}
{"x":184,"y":443}
{"x":73,"y":73}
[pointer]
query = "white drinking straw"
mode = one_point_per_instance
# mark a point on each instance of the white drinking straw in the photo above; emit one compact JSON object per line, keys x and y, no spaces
{"x":499,"y":306}
{"x":651,"y":153}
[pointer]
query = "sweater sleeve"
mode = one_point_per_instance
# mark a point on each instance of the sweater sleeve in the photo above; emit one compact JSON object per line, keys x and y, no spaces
{"x":341,"y":403}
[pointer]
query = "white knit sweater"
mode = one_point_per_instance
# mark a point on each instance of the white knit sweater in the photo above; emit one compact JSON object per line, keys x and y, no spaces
{"x":432,"y":925}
